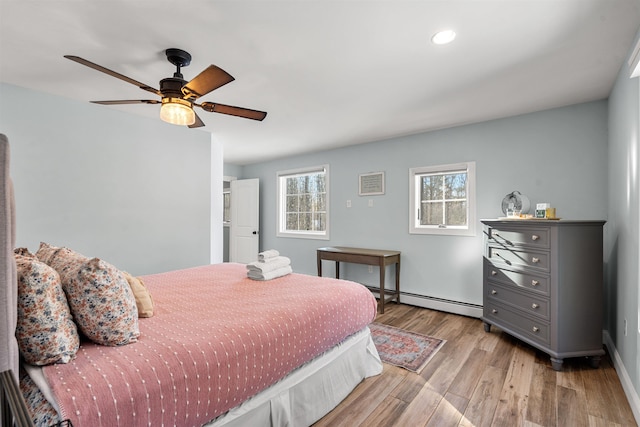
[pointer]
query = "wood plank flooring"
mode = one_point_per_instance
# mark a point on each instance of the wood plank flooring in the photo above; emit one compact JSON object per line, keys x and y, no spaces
{"x":482,"y":379}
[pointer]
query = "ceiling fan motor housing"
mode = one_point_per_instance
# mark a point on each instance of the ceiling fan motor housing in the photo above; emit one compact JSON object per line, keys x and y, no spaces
{"x":172,"y":87}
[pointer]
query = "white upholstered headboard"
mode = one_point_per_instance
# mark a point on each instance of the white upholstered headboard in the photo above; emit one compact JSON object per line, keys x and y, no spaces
{"x":8,"y":281}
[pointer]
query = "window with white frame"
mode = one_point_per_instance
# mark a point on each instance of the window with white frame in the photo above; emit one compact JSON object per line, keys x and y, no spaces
{"x":303,"y":203}
{"x":442,"y":199}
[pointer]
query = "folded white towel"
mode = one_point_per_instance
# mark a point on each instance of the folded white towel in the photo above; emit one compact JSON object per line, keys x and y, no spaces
{"x":282,"y":271}
{"x":265,"y":255}
{"x":269,"y":265}
{"x":273,"y":259}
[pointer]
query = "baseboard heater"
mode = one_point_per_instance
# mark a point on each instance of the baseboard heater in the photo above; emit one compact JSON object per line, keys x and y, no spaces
{"x":440,"y":304}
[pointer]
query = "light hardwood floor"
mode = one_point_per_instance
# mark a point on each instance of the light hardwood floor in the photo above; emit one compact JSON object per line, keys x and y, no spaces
{"x":482,"y":379}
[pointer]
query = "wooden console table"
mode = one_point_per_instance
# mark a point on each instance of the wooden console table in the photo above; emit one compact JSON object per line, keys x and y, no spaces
{"x":378,"y":257}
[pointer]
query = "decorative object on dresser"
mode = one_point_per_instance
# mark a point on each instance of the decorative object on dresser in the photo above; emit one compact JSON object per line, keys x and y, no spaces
{"x":542,"y":283}
{"x":515,"y":202}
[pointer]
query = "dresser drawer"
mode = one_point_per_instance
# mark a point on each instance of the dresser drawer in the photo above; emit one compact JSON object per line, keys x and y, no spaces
{"x":519,"y":236}
{"x":534,"y":282}
{"x":525,"y":301}
{"x":506,"y":318}
{"x":522,"y":258}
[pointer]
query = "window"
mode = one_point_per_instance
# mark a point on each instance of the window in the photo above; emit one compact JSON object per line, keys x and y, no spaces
{"x":443,"y":199}
{"x":303,"y":203}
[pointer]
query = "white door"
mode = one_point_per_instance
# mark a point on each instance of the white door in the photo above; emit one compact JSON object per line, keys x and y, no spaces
{"x":245,"y":216}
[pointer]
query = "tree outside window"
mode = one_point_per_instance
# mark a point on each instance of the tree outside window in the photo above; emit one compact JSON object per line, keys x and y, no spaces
{"x":303,"y":203}
{"x":443,"y":199}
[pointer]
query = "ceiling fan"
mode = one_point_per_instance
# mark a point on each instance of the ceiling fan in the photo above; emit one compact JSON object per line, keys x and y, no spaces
{"x":178,"y":97}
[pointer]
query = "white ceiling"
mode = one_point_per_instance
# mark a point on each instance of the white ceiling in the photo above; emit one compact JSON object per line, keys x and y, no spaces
{"x":329,"y":73}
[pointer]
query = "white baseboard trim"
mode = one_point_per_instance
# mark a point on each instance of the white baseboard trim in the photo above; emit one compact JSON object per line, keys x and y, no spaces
{"x":454,"y":307}
{"x":625,"y":379}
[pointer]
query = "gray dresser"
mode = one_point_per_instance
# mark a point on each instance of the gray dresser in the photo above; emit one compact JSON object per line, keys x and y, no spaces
{"x":543,"y":284}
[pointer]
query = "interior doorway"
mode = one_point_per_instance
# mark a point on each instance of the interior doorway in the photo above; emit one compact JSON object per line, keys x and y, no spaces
{"x":244,"y":233}
{"x":226,"y":216}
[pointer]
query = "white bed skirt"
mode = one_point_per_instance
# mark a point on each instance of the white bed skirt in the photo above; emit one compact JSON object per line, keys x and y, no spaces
{"x":311,"y":391}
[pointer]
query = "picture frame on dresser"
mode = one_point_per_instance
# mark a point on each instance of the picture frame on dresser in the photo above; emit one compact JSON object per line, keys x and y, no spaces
{"x":543,"y":284}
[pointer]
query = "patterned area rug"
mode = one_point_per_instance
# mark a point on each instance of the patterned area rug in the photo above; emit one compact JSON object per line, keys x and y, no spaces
{"x":402,"y":348}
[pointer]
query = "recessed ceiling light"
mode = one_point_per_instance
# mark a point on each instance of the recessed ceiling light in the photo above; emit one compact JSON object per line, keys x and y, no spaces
{"x":443,"y":37}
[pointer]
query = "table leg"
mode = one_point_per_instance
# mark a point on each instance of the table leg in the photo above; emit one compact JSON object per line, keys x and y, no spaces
{"x":382,"y":274}
{"x":337,"y":269}
{"x":398,"y":281}
{"x":319,"y":265}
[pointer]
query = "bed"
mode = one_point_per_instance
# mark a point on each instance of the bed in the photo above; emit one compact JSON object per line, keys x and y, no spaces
{"x":220,"y":348}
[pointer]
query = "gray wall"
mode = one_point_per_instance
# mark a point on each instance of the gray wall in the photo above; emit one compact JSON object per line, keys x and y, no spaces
{"x":557,"y":156}
{"x":623,"y":229}
{"x":131,"y":190}
{"x":232,"y":170}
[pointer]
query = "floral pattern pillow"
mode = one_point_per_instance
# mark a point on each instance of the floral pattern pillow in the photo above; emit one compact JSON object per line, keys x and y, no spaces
{"x":45,"y":252}
{"x":45,"y":330}
{"x":101,"y":301}
{"x":41,"y":411}
{"x":61,"y":255}
{"x":100,"y":297}
{"x":23,"y":252}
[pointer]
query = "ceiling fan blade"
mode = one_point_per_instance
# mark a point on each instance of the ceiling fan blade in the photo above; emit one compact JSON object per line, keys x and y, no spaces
{"x":198,"y":123}
{"x":113,"y":74}
{"x":211,"y":78}
{"x":233,"y":111}
{"x":125,"y":101}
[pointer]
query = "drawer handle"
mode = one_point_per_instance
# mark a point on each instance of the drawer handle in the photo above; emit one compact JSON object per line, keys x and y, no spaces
{"x":494,"y":273}
{"x":534,"y":283}
{"x":534,"y":305}
{"x":499,"y":255}
{"x":535,"y":329}
{"x":535,"y":237}
{"x":493,"y":292}
{"x":495,"y":234}
{"x":494,"y":311}
{"x":535,"y":260}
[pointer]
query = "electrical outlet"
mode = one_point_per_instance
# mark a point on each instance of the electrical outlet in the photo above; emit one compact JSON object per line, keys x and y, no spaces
{"x":370,"y":203}
{"x":348,"y":203}
{"x":370,"y":269}
{"x":625,"y":327}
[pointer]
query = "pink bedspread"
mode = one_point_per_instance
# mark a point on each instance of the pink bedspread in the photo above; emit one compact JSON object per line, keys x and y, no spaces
{"x":216,"y":339}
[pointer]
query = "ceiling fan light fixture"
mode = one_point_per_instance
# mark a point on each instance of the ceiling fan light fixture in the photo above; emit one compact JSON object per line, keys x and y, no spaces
{"x":443,"y":37}
{"x":179,"y":96}
{"x":177,"y":112}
